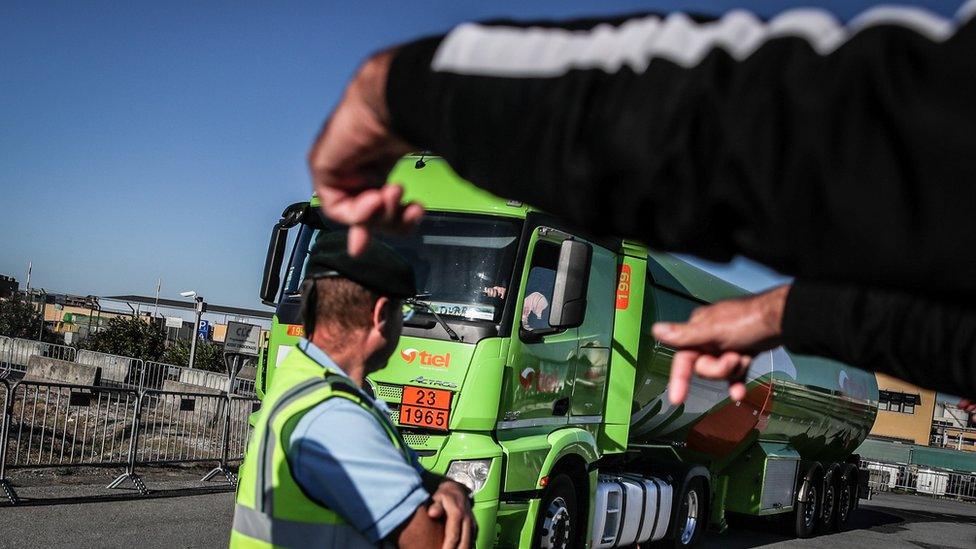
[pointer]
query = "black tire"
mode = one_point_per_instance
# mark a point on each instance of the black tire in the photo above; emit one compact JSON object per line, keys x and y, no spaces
{"x":691,"y":517}
{"x":559,"y":525}
{"x":806,"y":517}
{"x":828,"y":504}
{"x":845,"y":504}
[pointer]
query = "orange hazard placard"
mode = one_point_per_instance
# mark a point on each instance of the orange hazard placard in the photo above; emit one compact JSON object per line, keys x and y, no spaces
{"x":428,"y":398}
{"x":425,"y":407}
{"x":424,"y":417}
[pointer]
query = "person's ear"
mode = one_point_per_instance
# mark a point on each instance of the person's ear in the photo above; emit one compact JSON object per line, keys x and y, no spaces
{"x":381,"y":314}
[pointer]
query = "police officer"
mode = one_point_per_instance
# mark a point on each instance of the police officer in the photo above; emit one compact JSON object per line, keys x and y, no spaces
{"x":325,"y":466}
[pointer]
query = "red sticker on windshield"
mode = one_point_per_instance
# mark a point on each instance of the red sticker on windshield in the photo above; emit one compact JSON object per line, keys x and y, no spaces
{"x":623,"y":287}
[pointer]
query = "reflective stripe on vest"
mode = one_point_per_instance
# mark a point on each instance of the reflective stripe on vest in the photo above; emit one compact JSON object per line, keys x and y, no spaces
{"x":290,"y":533}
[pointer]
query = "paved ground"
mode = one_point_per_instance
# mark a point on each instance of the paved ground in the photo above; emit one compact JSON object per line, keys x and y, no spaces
{"x":888,"y":521}
{"x":182,"y":512}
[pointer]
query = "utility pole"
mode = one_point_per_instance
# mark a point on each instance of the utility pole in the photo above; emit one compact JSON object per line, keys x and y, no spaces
{"x":200,"y":308}
{"x":159,"y":286}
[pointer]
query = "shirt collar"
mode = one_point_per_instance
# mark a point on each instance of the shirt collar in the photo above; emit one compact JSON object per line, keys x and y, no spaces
{"x":321,"y":357}
{"x":324,"y":360}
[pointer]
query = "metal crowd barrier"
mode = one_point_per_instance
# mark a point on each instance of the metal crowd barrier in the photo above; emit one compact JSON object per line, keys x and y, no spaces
{"x":915,"y":479}
{"x":15,"y":354}
{"x":157,"y":373}
{"x":63,"y":425}
{"x":117,"y":370}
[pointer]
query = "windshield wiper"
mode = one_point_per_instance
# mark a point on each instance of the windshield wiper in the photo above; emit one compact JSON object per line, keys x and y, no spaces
{"x":418,"y":301}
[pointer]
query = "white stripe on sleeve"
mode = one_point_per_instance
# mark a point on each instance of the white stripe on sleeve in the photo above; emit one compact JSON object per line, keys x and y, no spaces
{"x":546,"y":52}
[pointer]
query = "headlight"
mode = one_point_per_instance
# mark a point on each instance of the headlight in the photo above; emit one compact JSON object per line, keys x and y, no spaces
{"x":470,"y":472}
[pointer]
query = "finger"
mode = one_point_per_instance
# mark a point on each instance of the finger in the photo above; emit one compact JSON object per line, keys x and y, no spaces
{"x":737,"y":390}
{"x":682,"y":366}
{"x":676,"y":334}
{"x":413,"y":212}
{"x":452,"y":530}
{"x":391,"y":211}
{"x":465,"y":533}
{"x":358,"y":240}
{"x":711,"y":367}
{"x":435,"y":510}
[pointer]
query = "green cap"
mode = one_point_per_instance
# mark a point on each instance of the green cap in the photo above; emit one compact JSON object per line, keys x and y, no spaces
{"x":379,"y":268}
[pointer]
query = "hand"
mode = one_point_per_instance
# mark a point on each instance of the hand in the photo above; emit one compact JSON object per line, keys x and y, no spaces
{"x":967,"y":405}
{"x":719,"y":340}
{"x":452,"y":504}
{"x":495,"y":291}
{"x":352,"y":156}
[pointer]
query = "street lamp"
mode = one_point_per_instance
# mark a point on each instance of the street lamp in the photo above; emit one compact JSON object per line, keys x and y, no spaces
{"x":200,"y":307}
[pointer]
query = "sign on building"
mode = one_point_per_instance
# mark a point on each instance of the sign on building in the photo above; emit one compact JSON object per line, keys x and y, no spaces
{"x":174,"y":322}
{"x":242,"y":338}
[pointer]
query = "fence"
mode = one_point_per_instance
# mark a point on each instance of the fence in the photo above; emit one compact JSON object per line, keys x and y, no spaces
{"x":116,"y":370}
{"x":15,"y":353}
{"x":915,"y":479}
{"x":63,"y":425}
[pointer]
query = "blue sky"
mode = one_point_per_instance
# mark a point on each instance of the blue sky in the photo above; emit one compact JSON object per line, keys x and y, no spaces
{"x":142,"y":140}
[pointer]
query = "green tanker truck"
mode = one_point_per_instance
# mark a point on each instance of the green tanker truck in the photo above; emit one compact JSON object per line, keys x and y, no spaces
{"x":528,"y":373}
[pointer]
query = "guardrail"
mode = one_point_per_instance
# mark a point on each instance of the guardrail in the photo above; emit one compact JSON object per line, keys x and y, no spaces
{"x":63,"y":425}
{"x":915,"y":479}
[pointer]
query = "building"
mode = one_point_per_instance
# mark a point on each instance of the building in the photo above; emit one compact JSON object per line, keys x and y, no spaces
{"x":912,"y":415}
{"x":8,"y":286}
{"x":904,"y":412}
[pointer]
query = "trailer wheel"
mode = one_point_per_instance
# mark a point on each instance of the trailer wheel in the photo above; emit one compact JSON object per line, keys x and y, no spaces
{"x":806,"y":515}
{"x":829,"y":505}
{"x":844,"y":504}
{"x":692,"y":517}
{"x":559,"y":524}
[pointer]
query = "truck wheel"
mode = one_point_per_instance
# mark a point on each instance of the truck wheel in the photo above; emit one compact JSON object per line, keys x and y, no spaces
{"x":829,"y":505}
{"x":844,"y":505}
{"x":559,"y":526}
{"x":806,"y":515}
{"x":691,"y":518}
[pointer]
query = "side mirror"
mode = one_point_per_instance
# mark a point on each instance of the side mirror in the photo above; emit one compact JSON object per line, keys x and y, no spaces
{"x":271,"y":282}
{"x":572,"y":277}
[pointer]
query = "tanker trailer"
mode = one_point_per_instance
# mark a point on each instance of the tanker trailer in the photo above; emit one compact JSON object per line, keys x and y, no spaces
{"x":785,"y":449}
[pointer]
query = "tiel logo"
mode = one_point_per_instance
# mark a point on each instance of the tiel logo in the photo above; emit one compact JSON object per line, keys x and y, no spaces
{"x":409,"y":355}
{"x":426,"y":359}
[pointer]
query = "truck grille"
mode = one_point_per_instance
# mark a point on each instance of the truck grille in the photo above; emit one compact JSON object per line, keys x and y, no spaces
{"x":390,"y":393}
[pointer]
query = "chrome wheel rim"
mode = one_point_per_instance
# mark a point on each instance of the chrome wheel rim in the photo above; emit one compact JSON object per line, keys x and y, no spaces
{"x":828,"y":504}
{"x":557,"y":527}
{"x":691,"y":519}
{"x":810,"y":510}
{"x":845,"y":502}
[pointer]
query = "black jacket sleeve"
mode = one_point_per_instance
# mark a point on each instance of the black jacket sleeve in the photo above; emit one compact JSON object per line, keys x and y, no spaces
{"x":848,"y":155}
{"x":926,"y":342}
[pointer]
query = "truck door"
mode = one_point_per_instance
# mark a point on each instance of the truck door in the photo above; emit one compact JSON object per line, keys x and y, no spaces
{"x":538,"y":384}
{"x":589,"y":389}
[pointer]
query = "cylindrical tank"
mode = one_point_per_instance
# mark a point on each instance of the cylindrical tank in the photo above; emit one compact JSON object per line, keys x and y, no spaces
{"x":822,"y":408}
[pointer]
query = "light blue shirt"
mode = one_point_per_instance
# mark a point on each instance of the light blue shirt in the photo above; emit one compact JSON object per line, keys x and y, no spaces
{"x":343,"y":458}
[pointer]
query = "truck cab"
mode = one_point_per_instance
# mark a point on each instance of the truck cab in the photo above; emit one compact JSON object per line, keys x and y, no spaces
{"x":515,"y":373}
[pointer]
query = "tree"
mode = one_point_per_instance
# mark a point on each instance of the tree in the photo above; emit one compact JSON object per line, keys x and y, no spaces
{"x":209,"y":355}
{"x":19,"y":318}
{"x":128,"y":336}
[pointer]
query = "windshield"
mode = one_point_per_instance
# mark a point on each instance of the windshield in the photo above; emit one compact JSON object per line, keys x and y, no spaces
{"x":463,"y":263}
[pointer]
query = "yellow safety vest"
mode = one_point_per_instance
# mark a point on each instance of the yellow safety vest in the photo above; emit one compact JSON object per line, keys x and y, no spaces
{"x":272,"y":510}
